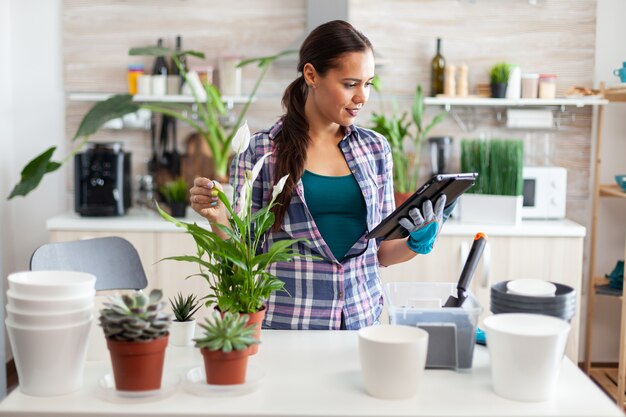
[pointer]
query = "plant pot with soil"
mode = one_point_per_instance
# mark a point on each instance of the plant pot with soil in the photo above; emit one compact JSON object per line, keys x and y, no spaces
{"x":225,"y":347}
{"x":136,"y":330}
{"x":183,"y":327}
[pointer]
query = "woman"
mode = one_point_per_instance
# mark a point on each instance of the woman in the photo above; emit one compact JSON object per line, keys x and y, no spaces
{"x":339,"y":187}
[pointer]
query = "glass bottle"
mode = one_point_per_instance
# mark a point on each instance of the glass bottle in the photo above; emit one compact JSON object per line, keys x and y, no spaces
{"x":438,"y":65}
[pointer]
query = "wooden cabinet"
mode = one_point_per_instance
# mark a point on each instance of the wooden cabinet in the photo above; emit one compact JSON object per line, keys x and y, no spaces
{"x":557,"y":259}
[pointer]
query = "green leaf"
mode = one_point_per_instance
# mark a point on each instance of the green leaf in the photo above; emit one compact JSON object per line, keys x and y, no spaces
{"x":265,"y":60}
{"x":33,"y":172}
{"x":160,"y":51}
{"x":116,"y":106}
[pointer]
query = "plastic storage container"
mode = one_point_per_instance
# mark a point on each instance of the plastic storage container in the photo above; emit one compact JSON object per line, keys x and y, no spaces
{"x":451,"y":330}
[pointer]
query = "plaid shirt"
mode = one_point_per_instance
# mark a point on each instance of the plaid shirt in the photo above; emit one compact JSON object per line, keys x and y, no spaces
{"x":321,"y":289}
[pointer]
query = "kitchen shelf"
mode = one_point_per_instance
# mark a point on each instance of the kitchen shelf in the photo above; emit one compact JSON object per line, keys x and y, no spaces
{"x":612,"y":380}
{"x":230,"y":101}
{"x":449,"y":102}
{"x":611,"y":190}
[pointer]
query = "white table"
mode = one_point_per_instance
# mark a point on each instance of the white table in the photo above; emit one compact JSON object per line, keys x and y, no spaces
{"x":316,"y":373}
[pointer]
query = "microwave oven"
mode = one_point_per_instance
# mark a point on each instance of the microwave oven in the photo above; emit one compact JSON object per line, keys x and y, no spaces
{"x":545,"y":192}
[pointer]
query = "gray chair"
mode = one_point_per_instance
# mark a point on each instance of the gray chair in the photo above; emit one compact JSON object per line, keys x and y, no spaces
{"x":113,"y":260}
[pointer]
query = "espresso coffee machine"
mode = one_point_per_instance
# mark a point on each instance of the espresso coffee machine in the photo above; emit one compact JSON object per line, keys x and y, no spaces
{"x":102,"y":180}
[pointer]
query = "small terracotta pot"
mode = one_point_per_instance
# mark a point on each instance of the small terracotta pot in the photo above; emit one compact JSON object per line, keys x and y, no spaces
{"x":225,"y":368}
{"x":256,"y":319}
{"x":138,"y":366}
{"x":401,"y":197}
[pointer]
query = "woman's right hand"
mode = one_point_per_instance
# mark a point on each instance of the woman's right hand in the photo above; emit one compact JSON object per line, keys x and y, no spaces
{"x":204,"y":200}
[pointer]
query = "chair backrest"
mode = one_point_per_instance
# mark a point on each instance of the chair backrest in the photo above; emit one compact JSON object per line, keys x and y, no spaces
{"x":113,"y":260}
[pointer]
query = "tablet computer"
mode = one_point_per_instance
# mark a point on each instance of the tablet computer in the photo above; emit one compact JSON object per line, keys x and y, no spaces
{"x":452,"y":185}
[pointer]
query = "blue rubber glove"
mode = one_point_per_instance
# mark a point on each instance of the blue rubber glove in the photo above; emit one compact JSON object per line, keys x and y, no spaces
{"x":425,"y":226}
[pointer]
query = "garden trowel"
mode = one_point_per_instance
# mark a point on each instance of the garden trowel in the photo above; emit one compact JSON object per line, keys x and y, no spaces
{"x":480,"y":240}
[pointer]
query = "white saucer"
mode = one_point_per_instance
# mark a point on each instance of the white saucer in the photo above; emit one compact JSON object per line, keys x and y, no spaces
{"x":106,"y":390}
{"x":195,"y":383}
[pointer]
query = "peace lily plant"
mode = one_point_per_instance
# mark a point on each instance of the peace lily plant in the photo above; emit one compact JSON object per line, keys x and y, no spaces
{"x":207,"y":100}
{"x":236,"y":268}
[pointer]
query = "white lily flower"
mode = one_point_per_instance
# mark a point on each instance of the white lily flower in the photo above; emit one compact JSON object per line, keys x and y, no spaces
{"x":241,"y":141}
{"x":243,"y":198}
{"x":278,"y":188}
{"x":257,"y":167}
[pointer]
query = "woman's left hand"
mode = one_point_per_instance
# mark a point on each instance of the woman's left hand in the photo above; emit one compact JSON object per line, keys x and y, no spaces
{"x":424,"y":226}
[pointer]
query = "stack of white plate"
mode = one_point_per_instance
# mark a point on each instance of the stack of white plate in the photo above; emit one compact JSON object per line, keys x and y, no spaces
{"x":49,"y":315}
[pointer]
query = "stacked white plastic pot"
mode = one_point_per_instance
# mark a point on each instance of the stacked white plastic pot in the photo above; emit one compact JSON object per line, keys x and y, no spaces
{"x":49,"y":315}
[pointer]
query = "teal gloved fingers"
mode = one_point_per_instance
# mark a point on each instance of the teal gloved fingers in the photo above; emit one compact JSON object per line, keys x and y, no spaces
{"x":422,"y":240}
{"x":448,"y":210}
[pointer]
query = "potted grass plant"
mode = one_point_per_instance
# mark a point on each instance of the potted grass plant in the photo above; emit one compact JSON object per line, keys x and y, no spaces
{"x":184,"y":325}
{"x":395,"y":127}
{"x":225,"y":346}
{"x":136,"y":331}
{"x":498,"y":78}
{"x":496,"y":198}
{"x":207,"y":101}
{"x":237,"y":269}
{"x":175,"y":195}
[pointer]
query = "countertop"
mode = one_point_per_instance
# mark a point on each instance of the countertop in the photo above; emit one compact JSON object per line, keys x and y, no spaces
{"x":317,"y":373}
{"x":144,"y":220}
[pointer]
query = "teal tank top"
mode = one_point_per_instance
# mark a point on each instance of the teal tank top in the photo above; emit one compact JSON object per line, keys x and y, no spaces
{"x":338,"y":208}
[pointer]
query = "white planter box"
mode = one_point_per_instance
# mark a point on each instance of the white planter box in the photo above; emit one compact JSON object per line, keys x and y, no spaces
{"x":491,"y":209}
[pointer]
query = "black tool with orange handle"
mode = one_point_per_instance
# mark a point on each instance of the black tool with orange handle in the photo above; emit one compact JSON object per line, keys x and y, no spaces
{"x":480,"y":240}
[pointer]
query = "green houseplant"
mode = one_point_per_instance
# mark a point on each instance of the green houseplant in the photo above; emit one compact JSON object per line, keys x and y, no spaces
{"x":237,"y":269}
{"x":184,"y":324}
{"x":136,"y":330}
{"x":225,"y":345}
{"x":396,"y":129}
{"x":498,"y":78}
{"x":497,"y":195}
{"x":175,"y":195}
{"x":210,"y":108}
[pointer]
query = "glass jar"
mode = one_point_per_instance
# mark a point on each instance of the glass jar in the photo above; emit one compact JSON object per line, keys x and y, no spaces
{"x":547,"y":86}
{"x":530,"y":83}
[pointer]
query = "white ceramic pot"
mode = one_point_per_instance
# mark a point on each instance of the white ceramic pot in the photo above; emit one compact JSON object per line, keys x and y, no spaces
{"x":49,"y":361}
{"x":182,"y":333}
{"x":49,"y":305}
{"x":526,"y":351}
{"x":393,"y":359}
{"x":51,"y":284}
{"x":48,"y":319}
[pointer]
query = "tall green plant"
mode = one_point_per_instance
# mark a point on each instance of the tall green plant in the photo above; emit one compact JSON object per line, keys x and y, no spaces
{"x":406,"y":166}
{"x":217,"y":137}
{"x":498,"y":162}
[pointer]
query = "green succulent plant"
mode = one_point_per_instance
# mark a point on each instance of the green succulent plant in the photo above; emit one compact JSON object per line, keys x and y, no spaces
{"x":184,"y":307}
{"x":136,"y":318}
{"x":226,"y":333}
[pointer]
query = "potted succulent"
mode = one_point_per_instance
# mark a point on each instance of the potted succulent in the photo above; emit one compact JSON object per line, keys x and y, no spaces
{"x":184,"y":325}
{"x":496,"y":198}
{"x":225,"y":346}
{"x":499,"y":77}
{"x":237,"y":269}
{"x":406,"y":165}
{"x":207,"y":100}
{"x":175,"y":195}
{"x":136,"y":330}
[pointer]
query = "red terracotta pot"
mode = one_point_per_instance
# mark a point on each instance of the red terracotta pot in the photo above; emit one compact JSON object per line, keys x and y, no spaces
{"x":401,"y":197}
{"x":256,"y":319}
{"x":138,"y":366}
{"x":225,"y":368}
